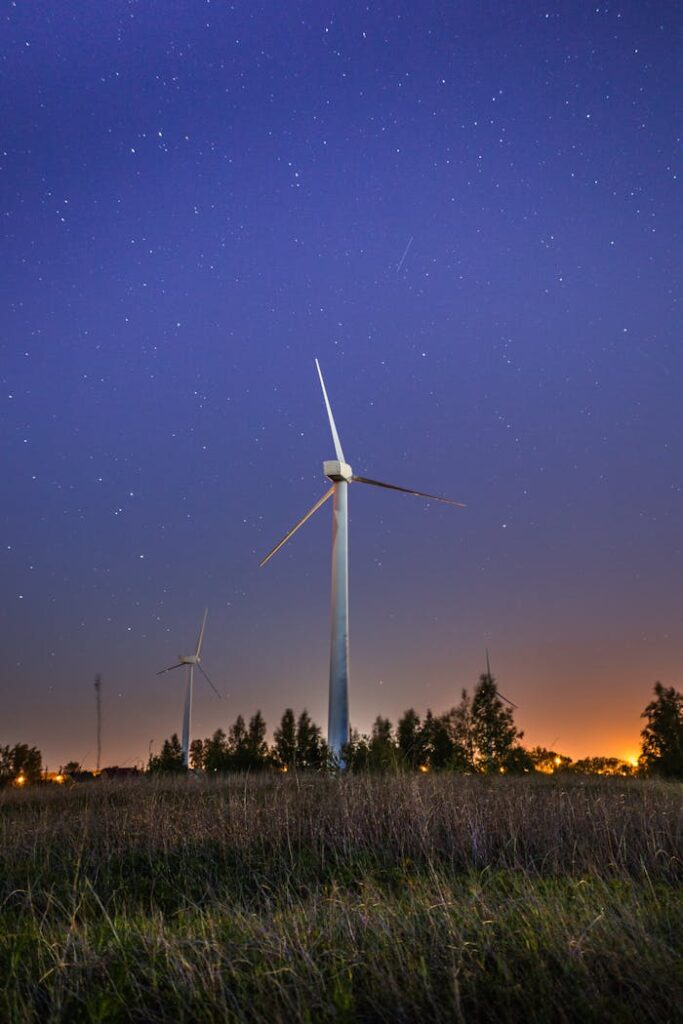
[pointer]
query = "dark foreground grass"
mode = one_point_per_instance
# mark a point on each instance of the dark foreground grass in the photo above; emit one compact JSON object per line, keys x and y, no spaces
{"x":313,"y":899}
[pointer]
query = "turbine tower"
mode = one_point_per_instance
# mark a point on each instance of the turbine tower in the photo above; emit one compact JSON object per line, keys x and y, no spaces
{"x":191,"y":660}
{"x":340,"y":474}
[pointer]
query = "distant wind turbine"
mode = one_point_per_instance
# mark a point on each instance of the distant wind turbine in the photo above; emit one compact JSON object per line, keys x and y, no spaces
{"x":190,"y":660}
{"x":341,"y":475}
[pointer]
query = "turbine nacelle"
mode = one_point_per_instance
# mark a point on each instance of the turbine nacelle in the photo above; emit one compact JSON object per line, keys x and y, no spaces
{"x":188,"y":659}
{"x":337,"y":471}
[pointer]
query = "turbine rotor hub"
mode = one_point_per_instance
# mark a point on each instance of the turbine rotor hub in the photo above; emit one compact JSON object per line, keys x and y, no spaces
{"x":337,"y":471}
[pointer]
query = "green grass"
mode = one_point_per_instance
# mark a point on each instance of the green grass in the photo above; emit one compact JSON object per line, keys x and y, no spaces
{"x":363,"y":899}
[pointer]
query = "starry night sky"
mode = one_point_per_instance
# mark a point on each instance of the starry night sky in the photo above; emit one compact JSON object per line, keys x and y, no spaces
{"x":199,"y":198}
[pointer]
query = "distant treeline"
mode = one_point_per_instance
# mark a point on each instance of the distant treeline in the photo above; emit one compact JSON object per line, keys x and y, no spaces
{"x":478,"y":735}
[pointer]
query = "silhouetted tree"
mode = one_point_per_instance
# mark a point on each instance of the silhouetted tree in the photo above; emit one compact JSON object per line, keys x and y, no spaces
{"x":462,"y":734}
{"x":356,"y":753}
{"x":548,"y":761}
{"x":382,"y":751}
{"x":311,"y":750}
{"x":410,"y":739}
{"x":601,"y":766}
{"x":255,"y":743}
{"x":494,"y":733}
{"x":436,"y":740}
{"x":662,"y":737}
{"x":518,"y":761}
{"x":238,"y":749}
{"x":215,"y":753}
{"x":284,"y":749}
{"x":20,"y":761}
{"x":197,"y":755}
{"x":170,"y":758}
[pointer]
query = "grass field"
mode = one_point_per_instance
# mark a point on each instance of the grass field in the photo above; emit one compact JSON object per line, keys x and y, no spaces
{"x":284,"y":898}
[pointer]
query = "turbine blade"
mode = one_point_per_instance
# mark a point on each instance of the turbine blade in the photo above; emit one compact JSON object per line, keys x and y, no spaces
{"x":201,"y":633}
{"x":319,"y":502}
{"x":170,"y":668}
{"x":503,"y":697}
{"x":407,"y":490}
{"x":333,"y":428}
{"x":220,"y":695}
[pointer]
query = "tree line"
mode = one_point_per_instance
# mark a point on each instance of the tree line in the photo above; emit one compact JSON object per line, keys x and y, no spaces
{"x":476,"y":735}
{"x":297,"y":744}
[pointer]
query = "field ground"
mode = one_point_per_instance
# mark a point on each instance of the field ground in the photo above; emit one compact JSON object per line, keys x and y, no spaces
{"x":284,"y":898}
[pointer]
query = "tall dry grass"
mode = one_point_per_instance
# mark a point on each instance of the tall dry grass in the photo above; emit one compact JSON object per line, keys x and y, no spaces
{"x":305,"y":898}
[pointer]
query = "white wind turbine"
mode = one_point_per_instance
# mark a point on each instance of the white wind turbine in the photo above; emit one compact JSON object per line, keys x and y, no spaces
{"x":341,"y":475}
{"x":190,"y":660}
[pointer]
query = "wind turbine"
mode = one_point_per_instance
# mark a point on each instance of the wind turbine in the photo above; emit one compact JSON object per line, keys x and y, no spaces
{"x":190,"y":660}
{"x":340,"y":474}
